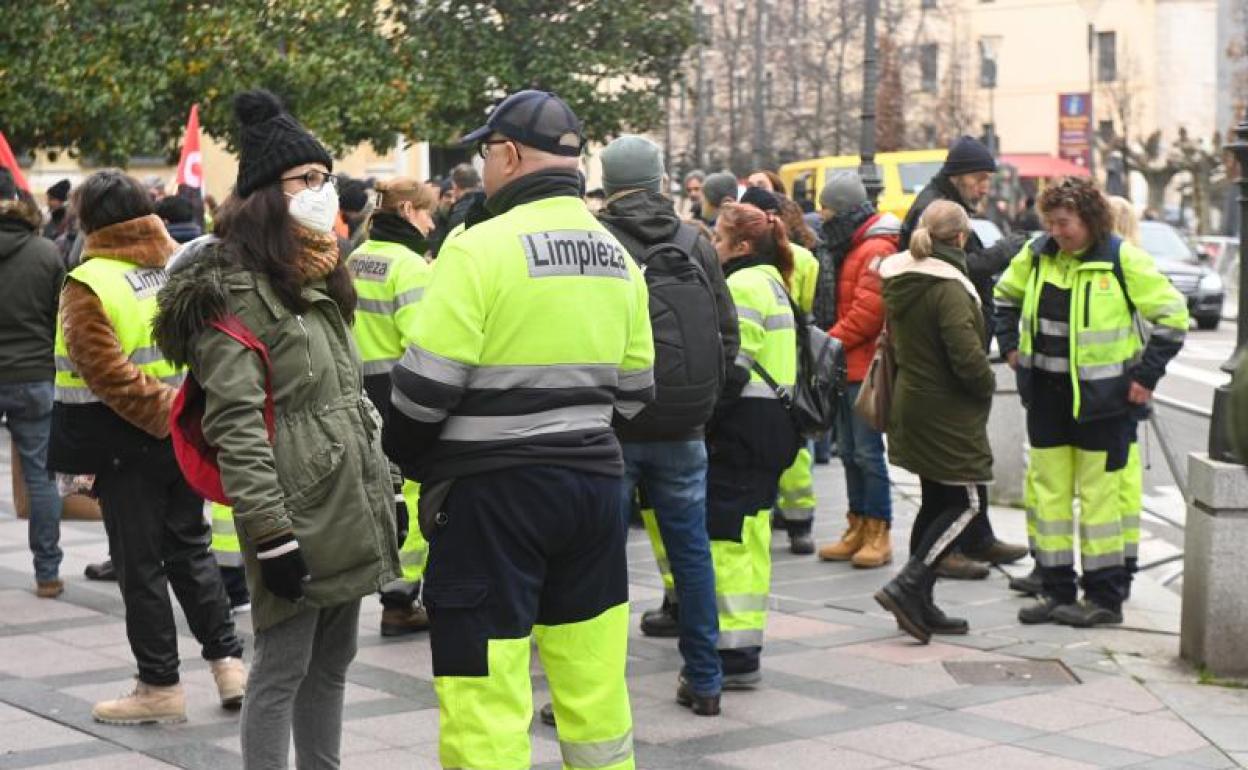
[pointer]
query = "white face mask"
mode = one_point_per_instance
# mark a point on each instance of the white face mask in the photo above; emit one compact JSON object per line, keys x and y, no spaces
{"x":315,"y":209}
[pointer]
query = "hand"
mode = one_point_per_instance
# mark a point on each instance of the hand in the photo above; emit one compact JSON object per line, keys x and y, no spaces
{"x":1138,"y":394}
{"x":1011,"y":358}
{"x":282,"y":569}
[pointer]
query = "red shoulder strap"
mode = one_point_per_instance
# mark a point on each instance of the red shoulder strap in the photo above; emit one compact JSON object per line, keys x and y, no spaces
{"x":233,"y":327}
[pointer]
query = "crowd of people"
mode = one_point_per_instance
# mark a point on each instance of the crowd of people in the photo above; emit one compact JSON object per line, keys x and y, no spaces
{"x":456,"y":394}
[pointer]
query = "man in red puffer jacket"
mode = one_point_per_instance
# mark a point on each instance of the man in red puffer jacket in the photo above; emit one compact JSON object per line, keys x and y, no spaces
{"x":857,"y":239}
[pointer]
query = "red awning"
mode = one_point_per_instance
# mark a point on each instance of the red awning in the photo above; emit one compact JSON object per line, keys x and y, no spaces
{"x":1040,"y":166}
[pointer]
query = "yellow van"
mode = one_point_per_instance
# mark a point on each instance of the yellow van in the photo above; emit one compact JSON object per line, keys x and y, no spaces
{"x":905,"y":174}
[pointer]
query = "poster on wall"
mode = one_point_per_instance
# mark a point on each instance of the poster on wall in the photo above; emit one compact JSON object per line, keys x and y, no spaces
{"x":1074,"y":128}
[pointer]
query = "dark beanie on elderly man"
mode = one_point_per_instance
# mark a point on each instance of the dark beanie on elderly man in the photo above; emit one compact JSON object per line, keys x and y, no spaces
{"x":966,"y":156}
{"x":270,"y":142}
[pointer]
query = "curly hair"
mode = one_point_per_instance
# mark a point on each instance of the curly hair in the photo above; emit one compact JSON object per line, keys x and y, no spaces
{"x":1079,"y":194}
{"x":799,"y":231}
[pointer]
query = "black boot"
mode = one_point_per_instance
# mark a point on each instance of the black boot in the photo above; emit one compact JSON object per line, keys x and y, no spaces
{"x":935,"y":618}
{"x":664,"y":622}
{"x":903,"y":596}
{"x":1031,"y":584}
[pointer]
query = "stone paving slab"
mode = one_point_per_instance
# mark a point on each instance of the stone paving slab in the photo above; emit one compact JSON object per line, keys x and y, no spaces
{"x":842,"y":688}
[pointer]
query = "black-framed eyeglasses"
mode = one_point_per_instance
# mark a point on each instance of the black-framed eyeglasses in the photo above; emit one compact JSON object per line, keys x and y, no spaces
{"x":314,"y":179}
{"x":481,"y":148}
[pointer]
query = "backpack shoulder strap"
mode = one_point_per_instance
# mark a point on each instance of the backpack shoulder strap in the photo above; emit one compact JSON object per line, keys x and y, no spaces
{"x":1114,"y":254}
{"x":233,"y":327}
{"x":686,"y":237}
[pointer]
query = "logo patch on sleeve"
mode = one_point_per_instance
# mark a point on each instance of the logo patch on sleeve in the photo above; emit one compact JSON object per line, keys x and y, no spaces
{"x":574,"y":252}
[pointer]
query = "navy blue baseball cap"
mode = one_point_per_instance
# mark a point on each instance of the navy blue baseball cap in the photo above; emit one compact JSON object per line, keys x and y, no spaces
{"x":534,"y":118}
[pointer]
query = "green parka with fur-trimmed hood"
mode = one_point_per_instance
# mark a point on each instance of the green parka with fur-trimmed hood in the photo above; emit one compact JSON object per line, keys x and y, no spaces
{"x":325,"y":477}
{"x":938,"y":423}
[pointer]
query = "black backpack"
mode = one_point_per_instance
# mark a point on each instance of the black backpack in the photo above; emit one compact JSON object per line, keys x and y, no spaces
{"x":688,"y":352}
{"x":823,"y":310}
{"x":814,"y":401}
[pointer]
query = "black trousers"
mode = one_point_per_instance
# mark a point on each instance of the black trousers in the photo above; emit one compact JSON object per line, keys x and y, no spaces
{"x":979,"y":534}
{"x":946,"y":513}
{"x":158,"y":538}
{"x":519,"y":546}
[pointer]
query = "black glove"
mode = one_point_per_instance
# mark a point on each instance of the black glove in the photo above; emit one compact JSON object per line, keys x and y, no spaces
{"x":282,"y":569}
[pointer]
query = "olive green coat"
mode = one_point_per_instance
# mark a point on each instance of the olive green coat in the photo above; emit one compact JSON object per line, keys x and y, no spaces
{"x":325,"y":477}
{"x":938,"y":423}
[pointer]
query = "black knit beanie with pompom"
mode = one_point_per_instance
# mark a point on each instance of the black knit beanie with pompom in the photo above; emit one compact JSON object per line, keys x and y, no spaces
{"x":271,"y":141}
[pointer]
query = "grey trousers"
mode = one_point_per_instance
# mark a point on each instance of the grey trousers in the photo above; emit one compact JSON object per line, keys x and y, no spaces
{"x":296,"y":684}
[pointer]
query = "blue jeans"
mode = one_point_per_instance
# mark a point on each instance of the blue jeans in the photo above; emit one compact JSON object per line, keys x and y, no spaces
{"x":862,"y":453}
{"x":27,"y":411}
{"x":674,"y":476}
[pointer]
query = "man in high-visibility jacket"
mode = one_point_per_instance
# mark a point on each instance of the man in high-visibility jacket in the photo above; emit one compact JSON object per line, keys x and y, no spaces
{"x":1086,"y":376}
{"x":114,"y":390}
{"x":502,"y":409}
{"x":390,"y":274}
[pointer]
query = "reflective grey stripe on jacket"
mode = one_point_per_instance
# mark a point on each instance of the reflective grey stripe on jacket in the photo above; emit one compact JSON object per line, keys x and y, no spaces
{"x":519,"y":426}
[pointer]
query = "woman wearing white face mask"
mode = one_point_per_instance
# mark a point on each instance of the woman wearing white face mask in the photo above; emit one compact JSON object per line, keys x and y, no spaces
{"x":313,"y":503}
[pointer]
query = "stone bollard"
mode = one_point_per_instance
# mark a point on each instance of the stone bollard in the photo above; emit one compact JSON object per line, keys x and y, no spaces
{"x":1215,"y":567}
{"x":1007,"y":432}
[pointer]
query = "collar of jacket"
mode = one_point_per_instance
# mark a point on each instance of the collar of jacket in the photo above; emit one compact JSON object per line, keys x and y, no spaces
{"x":741,"y":263}
{"x":540,"y":185}
{"x":395,"y":229}
{"x":951,"y":254}
{"x":142,"y":241}
{"x":949,"y":191}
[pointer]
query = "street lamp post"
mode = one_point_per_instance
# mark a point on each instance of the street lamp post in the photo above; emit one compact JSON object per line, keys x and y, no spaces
{"x":1092,"y":128}
{"x":988,"y":80}
{"x":699,"y":102}
{"x":867,"y":170}
{"x":1219,"y":427}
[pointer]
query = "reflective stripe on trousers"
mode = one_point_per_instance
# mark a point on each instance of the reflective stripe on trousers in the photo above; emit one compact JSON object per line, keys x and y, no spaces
{"x":742,"y":583}
{"x":797,"y":490}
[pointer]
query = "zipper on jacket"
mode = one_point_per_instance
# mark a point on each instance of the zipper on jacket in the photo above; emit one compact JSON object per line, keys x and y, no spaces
{"x":307,"y":344}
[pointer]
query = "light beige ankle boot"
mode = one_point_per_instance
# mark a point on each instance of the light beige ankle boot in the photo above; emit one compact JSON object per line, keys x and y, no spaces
{"x":147,"y":704}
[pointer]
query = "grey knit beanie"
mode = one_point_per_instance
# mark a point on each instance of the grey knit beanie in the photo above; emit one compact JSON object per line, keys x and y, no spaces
{"x":632,"y":162}
{"x":843,"y":191}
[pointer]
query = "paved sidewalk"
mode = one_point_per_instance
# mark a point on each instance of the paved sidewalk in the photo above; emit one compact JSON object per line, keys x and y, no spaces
{"x":841,"y":688}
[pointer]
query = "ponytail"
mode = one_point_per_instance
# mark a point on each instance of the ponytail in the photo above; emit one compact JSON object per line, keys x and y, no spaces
{"x":783,"y":251}
{"x":765,"y":232}
{"x":942,"y":222}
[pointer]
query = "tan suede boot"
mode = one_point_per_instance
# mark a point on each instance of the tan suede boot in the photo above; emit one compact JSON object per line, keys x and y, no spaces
{"x":851,"y":540}
{"x":231,"y":679}
{"x":147,"y":705}
{"x":877,"y":547}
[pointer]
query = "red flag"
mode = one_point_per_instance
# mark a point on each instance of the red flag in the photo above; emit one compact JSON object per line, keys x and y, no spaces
{"x":8,"y":161}
{"x":190,"y":172}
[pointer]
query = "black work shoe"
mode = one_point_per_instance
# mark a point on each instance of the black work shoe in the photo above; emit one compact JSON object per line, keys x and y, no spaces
{"x":903,"y":596}
{"x":802,"y":544}
{"x":663,"y":623}
{"x":1040,"y":612}
{"x":998,"y":552}
{"x":702,"y":705}
{"x":1031,"y":583}
{"x":102,"y":571}
{"x":743,"y":680}
{"x":547,"y":714}
{"x":955,"y":566}
{"x":1086,"y":614}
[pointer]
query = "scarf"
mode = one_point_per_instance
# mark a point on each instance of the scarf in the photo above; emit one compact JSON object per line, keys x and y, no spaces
{"x":393,"y":228}
{"x":318,"y":254}
{"x":839,"y":231}
{"x":142,"y":241}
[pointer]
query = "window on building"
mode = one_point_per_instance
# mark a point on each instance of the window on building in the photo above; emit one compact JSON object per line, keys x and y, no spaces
{"x":929,"y":135}
{"x":1106,"y":56}
{"x":989,"y":51}
{"x":928,"y":5}
{"x":929,"y":58}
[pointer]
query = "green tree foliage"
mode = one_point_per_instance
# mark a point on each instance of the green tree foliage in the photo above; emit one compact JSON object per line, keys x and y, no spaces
{"x":110,"y":79}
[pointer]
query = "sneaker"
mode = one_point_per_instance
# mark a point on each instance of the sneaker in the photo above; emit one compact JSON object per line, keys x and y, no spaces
{"x":702,"y":705}
{"x":400,"y":621}
{"x":1039,"y":612}
{"x":1086,"y":614}
{"x":663,"y":623}
{"x":49,"y":589}
{"x":147,"y":705}
{"x":745,"y":680}
{"x":231,"y":679}
{"x":802,"y":544}
{"x":955,"y":566}
{"x":101,"y":571}
{"x":547,"y":714}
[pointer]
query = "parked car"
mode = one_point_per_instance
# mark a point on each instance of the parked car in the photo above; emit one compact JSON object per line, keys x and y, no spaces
{"x":1179,"y":261}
